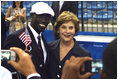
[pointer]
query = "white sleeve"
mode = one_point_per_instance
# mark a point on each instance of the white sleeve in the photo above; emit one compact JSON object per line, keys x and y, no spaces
{"x":5,"y":73}
{"x":34,"y":74}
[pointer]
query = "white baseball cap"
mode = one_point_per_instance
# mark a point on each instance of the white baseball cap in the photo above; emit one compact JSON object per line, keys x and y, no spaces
{"x":42,"y":8}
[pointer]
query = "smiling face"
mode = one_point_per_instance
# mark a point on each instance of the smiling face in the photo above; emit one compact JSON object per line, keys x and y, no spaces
{"x":40,"y":22}
{"x":67,"y":31}
{"x":68,"y":23}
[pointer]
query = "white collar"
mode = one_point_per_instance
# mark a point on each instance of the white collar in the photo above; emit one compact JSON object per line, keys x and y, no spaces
{"x":42,"y":44}
{"x":34,"y":33}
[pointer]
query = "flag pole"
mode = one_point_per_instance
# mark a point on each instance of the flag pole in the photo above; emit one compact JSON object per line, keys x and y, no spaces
{"x":26,"y":35}
{"x":26,"y":32}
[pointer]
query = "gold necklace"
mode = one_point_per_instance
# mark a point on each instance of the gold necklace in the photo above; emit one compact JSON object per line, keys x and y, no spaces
{"x":18,"y":25}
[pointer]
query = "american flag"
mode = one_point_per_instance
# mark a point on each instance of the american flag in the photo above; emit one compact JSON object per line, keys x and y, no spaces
{"x":25,"y":38}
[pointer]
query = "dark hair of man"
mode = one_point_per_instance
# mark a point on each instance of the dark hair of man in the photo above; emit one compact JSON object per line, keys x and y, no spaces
{"x":14,"y":5}
{"x":110,"y":60}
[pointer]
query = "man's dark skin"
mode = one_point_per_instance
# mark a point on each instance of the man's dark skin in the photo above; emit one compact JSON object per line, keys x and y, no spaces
{"x":39,"y":22}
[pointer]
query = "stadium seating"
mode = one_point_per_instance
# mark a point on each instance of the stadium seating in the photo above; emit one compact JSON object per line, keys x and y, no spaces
{"x":27,"y":4}
{"x":104,"y":15}
{"x":112,"y":6}
{"x":115,"y":18}
{"x":48,"y":2}
{"x":94,"y":5}
{"x":5,"y":5}
{"x":87,"y":14}
{"x":28,"y":13}
{"x":10,"y":3}
{"x":84,"y":4}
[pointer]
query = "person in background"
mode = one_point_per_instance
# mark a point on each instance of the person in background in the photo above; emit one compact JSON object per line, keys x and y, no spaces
{"x":66,"y":26}
{"x":71,"y":68}
{"x":110,"y":61}
{"x":16,"y":15}
{"x":60,"y":6}
{"x":4,"y":28}
{"x":31,"y":39}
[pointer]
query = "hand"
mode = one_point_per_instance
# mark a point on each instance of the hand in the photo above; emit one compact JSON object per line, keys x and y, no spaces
{"x":20,"y":14}
{"x":25,"y":64}
{"x":11,"y":18}
{"x":14,"y":17}
{"x":73,"y":67}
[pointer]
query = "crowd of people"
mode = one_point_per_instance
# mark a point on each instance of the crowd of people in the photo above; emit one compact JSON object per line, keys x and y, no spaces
{"x":62,"y":58}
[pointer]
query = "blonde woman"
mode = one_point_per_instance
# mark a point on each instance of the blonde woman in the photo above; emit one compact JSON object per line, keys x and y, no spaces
{"x":66,"y":25}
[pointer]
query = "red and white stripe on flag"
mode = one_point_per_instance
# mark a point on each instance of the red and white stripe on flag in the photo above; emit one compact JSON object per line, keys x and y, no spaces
{"x":26,"y":39}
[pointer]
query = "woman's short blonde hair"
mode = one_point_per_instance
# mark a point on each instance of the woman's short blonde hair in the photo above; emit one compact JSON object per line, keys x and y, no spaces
{"x":66,"y":16}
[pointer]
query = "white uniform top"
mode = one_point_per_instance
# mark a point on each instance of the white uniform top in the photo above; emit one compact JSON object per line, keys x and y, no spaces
{"x":5,"y":74}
